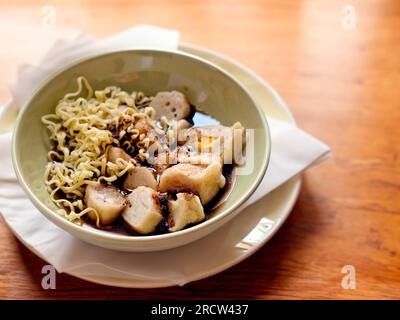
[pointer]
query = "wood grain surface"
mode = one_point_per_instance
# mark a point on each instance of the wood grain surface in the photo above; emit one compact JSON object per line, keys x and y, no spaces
{"x":342,"y":86}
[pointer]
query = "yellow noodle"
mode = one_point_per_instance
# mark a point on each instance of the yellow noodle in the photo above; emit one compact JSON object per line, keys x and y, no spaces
{"x":81,"y":139}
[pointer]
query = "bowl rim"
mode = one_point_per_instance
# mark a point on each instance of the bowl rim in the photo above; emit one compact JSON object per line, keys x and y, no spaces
{"x":61,"y":221}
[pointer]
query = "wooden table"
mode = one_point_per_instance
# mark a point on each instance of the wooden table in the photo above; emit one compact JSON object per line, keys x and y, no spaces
{"x":342,"y":85}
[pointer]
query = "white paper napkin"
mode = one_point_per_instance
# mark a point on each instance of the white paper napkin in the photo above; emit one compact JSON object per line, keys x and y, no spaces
{"x":293,"y":151}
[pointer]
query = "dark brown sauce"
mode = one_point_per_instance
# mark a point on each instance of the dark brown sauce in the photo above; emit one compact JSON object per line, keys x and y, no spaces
{"x":120,"y":227}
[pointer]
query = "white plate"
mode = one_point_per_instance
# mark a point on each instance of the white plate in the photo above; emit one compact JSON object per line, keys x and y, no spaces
{"x":251,"y":229}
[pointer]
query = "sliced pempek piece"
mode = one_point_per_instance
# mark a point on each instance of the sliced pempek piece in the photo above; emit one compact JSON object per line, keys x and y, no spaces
{"x":204,"y":181}
{"x":115,"y":153}
{"x":140,"y":176}
{"x":106,"y":200}
{"x":205,"y":144}
{"x":186,"y":209}
{"x":170,"y":104}
{"x":143,"y":212}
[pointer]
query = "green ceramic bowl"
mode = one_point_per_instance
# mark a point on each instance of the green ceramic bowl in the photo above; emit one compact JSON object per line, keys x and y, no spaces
{"x":207,"y":87}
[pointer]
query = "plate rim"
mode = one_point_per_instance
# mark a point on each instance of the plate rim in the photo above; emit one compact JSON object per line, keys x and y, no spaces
{"x":150,"y":284}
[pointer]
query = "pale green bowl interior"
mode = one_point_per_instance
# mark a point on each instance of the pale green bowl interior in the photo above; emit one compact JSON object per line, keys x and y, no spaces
{"x":150,"y":71}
